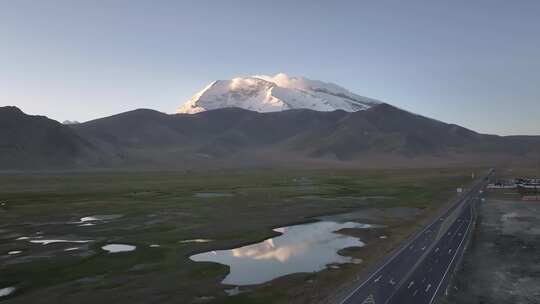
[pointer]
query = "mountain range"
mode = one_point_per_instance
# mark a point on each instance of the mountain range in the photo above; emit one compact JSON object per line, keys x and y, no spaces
{"x":256,"y":121}
{"x":381,"y":135}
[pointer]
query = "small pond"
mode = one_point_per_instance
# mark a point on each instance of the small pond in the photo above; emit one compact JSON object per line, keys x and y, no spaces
{"x":115,"y":248}
{"x":300,"y":248}
{"x":6,"y":291}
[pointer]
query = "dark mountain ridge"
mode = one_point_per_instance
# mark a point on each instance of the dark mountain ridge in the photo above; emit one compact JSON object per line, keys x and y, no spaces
{"x":33,"y":142}
{"x":235,"y":137}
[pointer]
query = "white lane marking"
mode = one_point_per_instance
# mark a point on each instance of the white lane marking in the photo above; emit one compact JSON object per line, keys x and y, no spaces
{"x":415,"y":292}
{"x":369,"y":300}
{"x":410,"y":284}
{"x":448,"y":268}
{"x":400,"y":250}
{"x":377,"y":279}
{"x":428,"y":287}
{"x":450,"y":250}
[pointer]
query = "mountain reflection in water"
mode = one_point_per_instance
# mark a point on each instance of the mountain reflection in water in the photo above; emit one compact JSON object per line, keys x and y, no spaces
{"x":300,"y":248}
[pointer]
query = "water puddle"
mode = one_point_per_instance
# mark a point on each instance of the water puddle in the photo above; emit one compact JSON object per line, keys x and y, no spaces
{"x":47,"y":242}
{"x":333,"y":266}
{"x":87,"y":224}
{"x":4,"y":292}
{"x":300,"y":248}
{"x":25,"y":238}
{"x":96,"y":218}
{"x":211,"y":194}
{"x":114,"y":248}
{"x":196,"y":241}
{"x":204,"y":299}
{"x":357,"y":261}
{"x":233,"y":291}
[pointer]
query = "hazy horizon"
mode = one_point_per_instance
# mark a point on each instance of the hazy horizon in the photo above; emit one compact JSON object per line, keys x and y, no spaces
{"x":473,"y":64}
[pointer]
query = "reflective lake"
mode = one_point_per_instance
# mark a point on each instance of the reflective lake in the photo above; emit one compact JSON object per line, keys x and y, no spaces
{"x":300,"y":248}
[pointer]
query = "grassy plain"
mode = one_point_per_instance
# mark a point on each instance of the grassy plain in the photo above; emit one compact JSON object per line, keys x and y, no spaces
{"x":165,"y":208}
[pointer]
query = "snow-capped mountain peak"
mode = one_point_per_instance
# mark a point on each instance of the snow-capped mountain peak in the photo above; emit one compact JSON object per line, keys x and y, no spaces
{"x":263,"y":93}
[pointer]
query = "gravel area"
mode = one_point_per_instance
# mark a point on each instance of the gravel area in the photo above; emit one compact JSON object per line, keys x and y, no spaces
{"x":502,"y":264}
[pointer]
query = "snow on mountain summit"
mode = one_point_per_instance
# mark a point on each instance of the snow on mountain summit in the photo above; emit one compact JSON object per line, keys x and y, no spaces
{"x":263,"y":93}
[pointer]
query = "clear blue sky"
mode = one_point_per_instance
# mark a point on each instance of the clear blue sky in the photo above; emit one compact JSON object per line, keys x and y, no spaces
{"x":474,"y":63}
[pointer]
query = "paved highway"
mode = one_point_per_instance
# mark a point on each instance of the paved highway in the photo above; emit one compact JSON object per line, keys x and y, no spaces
{"x":419,"y":270}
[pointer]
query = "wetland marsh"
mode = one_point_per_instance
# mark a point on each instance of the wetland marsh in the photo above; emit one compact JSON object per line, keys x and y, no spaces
{"x":163,"y":221}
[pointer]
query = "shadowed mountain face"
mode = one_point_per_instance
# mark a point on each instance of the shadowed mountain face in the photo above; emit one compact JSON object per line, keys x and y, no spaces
{"x":236,"y":137}
{"x":33,"y":142}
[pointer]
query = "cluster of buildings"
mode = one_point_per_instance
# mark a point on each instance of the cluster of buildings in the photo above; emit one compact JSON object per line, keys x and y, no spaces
{"x":503,"y":184}
{"x":524,"y":183}
{"x":529,"y":188}
{"x":528,"y":183}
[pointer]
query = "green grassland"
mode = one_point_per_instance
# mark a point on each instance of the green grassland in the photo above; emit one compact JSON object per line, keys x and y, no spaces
{"x":163,"y":208}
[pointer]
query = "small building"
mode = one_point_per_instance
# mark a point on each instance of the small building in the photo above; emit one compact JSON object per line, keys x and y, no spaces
{"x":529,"y":188}
{"x":503,"y":184}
